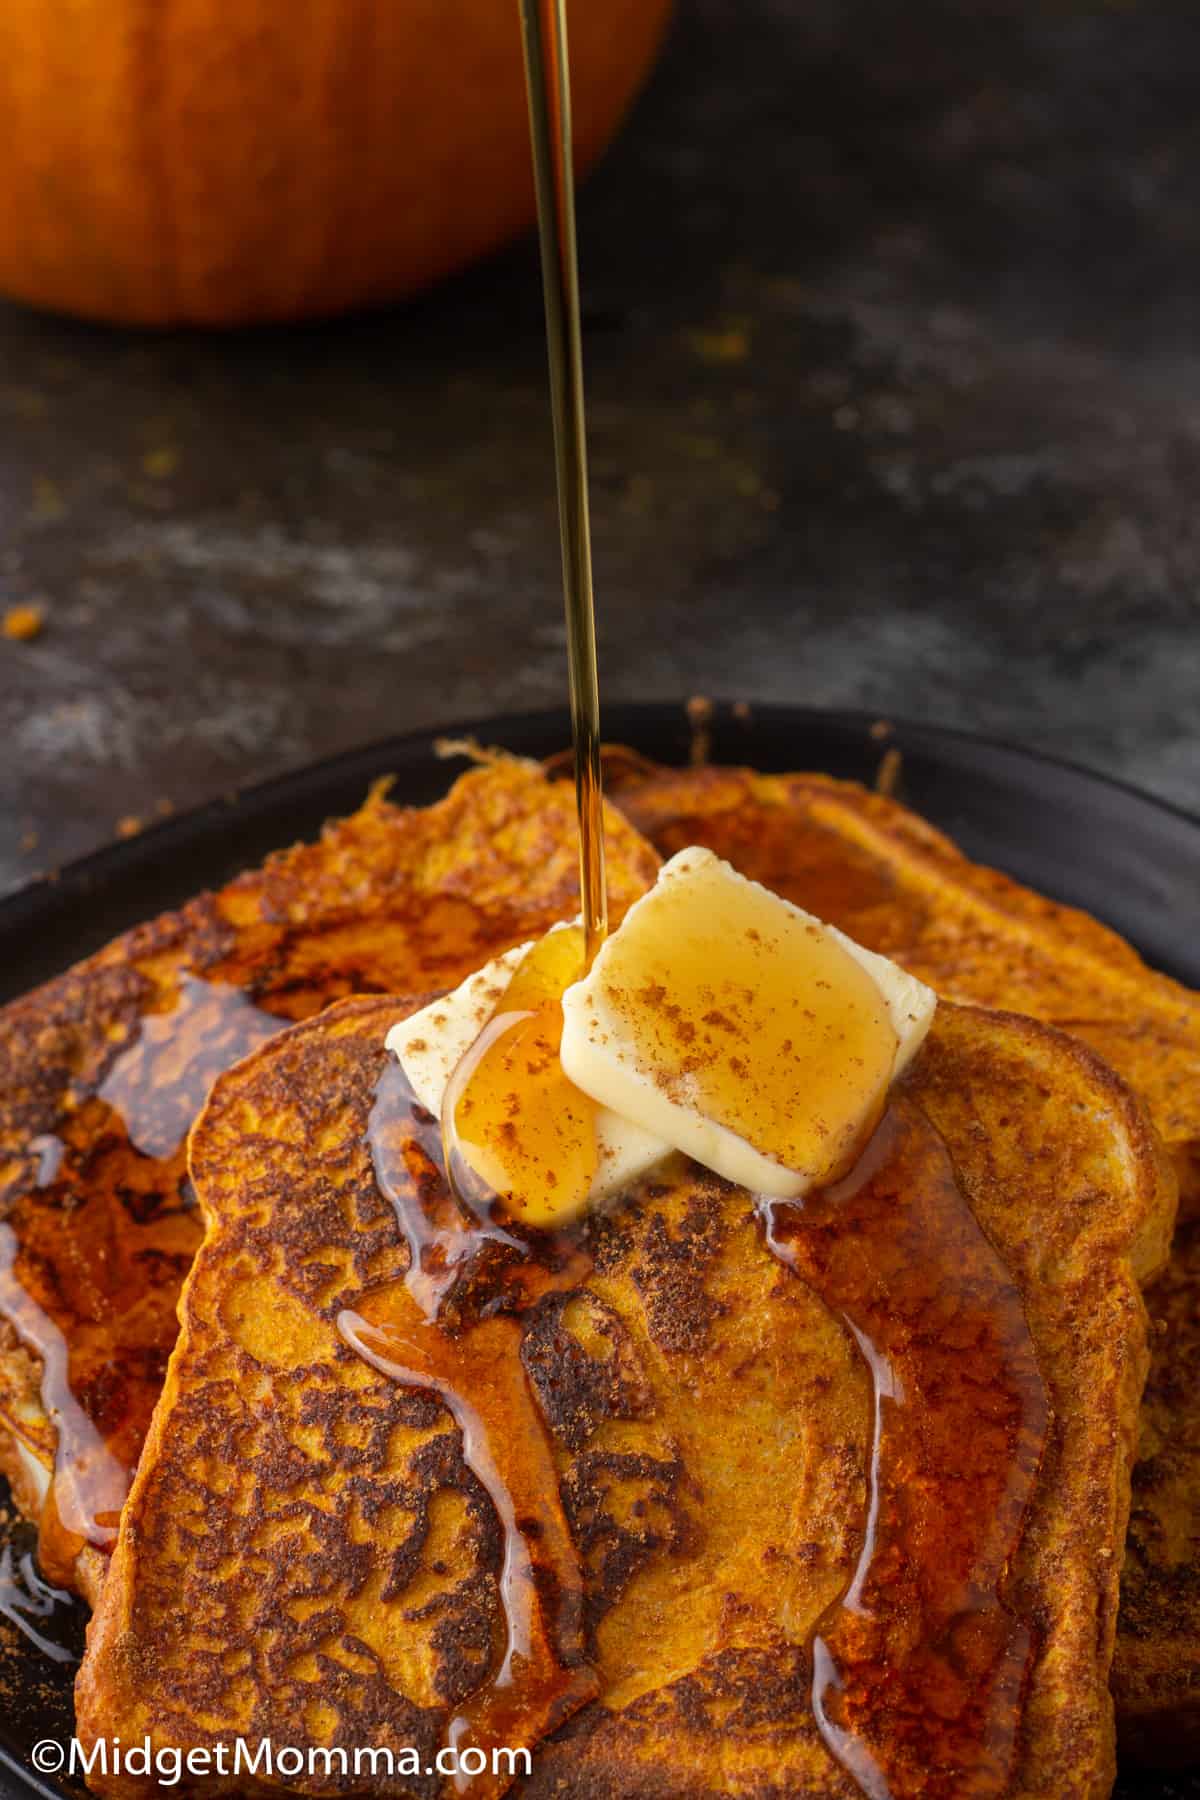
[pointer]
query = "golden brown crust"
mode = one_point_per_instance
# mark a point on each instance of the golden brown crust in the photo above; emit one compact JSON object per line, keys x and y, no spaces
{"x":305,"y":1554}
{"x":387,"y":900}
{"x":26,"y":1469}
{"x":1067,"y":1179}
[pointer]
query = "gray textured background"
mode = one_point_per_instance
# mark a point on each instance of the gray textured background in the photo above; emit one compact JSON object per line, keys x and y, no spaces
{"x":895,"y":400}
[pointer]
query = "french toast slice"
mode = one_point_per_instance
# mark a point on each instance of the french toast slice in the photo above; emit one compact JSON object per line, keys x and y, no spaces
{"x":103,"y":1070}
{"x":892,"y":881}
{"x":309,"y":1555}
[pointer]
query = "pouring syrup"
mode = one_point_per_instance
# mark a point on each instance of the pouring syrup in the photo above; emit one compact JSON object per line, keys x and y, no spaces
{"x":547,"y":80}
{"x":548,"y":87}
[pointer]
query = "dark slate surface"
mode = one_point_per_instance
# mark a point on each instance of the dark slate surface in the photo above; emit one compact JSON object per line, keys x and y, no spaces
{"x":895,"y":393}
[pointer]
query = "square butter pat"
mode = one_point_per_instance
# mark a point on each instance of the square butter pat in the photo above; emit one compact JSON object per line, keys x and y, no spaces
{"x":738,"y":1028}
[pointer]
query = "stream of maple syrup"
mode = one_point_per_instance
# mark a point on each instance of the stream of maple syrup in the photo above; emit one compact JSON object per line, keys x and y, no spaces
{"x":548,"y":85}
{"x":454,"y":1324}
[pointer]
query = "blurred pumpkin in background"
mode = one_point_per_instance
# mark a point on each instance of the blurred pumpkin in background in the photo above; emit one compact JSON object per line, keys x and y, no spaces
{"x":224,"y":161}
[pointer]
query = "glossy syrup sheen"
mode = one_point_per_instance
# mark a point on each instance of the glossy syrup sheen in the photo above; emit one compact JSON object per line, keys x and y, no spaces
{"x":453,"y":1325}
{"x":548,"y":88}
{"x":94,"y":1302}
{"x":757,"y":1018}
{"x":514,"y":1128}
{"x":918,"y":1671}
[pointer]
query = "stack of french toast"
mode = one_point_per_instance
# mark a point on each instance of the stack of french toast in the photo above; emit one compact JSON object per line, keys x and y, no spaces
{"x":276,"y":1542}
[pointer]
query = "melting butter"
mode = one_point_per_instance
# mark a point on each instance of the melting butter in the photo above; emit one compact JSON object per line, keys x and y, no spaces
{"x":742,"y":1030}
{"x":718,"y":1020}
{"x":511,"y":1120}
{"x":489,"y":1052}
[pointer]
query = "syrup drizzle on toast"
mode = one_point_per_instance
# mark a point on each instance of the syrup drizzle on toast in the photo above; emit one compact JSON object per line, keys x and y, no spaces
{"x":918,"y":1671}
{"x":453,"y":1325}
{"x":61,"y":1307}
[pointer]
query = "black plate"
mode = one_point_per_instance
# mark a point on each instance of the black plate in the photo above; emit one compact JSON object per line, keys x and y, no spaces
{"x":1133,"y":861}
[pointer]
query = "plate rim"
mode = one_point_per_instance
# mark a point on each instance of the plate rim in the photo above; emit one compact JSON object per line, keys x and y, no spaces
{"x":78,"y":873}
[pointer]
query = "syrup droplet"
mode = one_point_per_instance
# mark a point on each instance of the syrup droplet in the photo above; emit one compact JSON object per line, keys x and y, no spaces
{"x":918,"y":1671}
{"x":542,"y":1677}
{"x":49,"y":1151}
{"x":514,"y":1128}
{"x":448,"y":1243}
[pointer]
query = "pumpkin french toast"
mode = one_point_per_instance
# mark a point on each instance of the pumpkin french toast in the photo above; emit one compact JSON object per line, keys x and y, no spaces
{"x":395,"y":899}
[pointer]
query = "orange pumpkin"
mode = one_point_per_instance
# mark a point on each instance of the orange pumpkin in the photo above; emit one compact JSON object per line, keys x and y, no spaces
{"x":223,"y":161}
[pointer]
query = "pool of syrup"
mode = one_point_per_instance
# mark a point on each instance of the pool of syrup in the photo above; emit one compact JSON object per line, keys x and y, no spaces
{"x":100,"y":1230}
{"x":918,"y":1671}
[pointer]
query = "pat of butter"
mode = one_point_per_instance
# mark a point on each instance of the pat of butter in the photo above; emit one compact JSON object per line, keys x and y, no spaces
{"x":431,"y":1044}
{"x":738,"y":1028}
